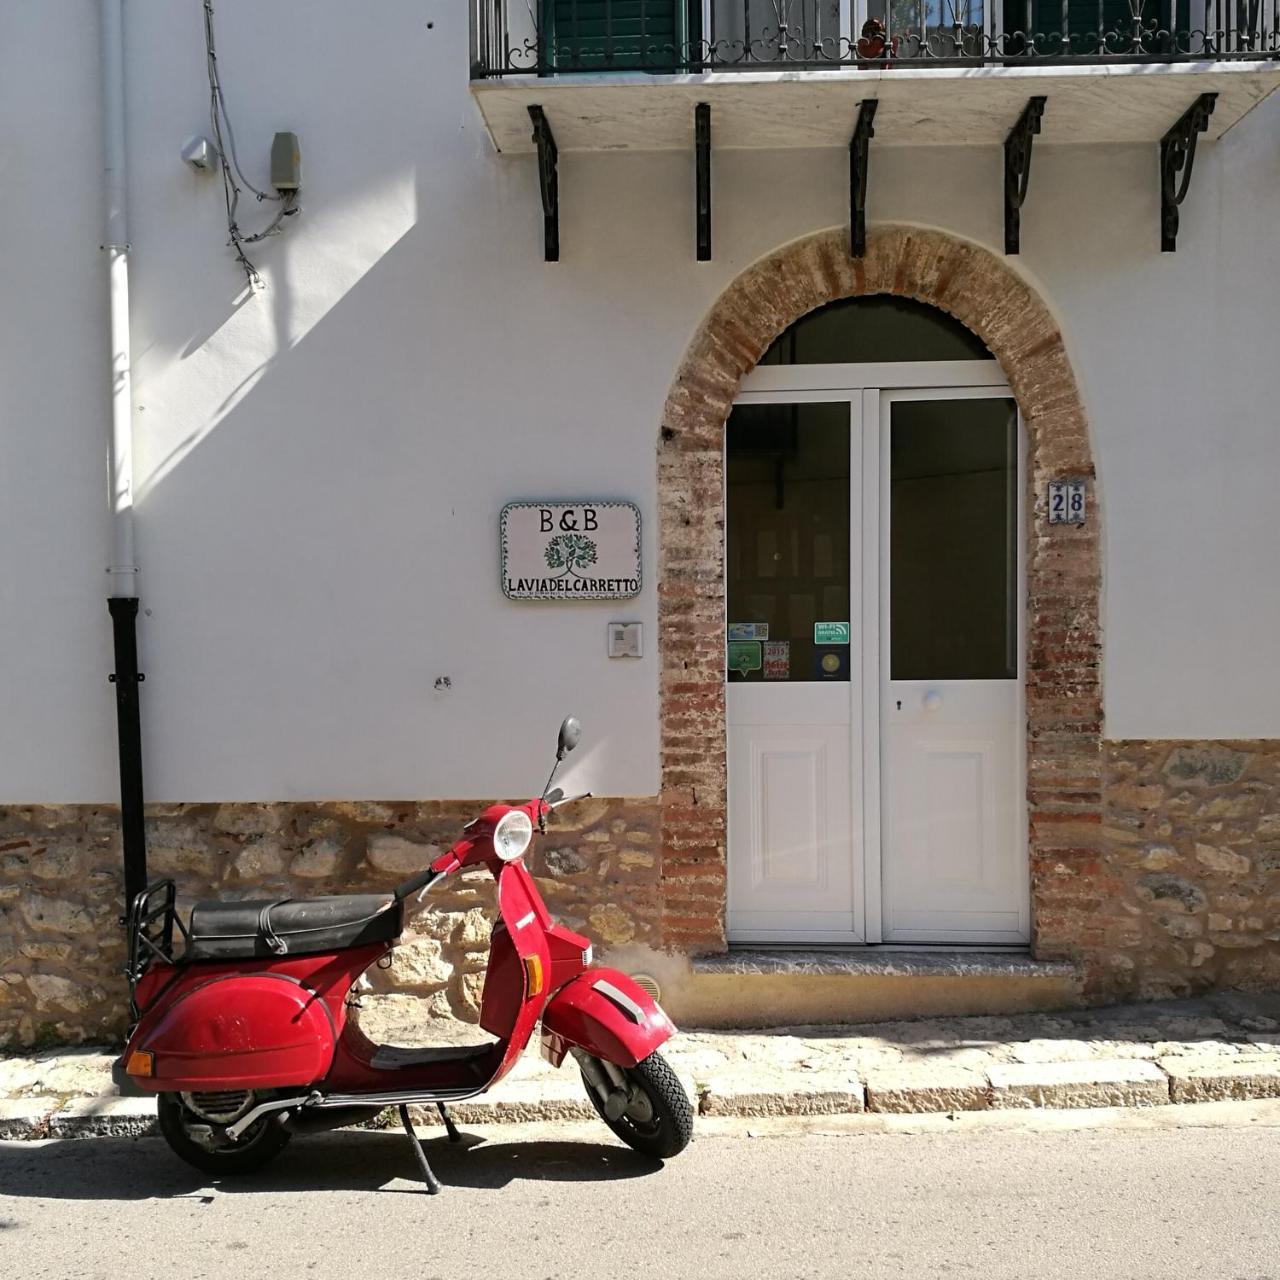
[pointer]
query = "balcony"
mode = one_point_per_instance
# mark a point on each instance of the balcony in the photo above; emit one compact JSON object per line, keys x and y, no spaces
{"x":628,"y":74}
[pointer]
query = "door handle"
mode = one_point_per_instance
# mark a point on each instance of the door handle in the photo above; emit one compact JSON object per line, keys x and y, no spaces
{"x":932,"y":700}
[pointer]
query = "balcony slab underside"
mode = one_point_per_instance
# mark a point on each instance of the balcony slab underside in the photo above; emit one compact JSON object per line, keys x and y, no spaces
{"x":947,"y":106}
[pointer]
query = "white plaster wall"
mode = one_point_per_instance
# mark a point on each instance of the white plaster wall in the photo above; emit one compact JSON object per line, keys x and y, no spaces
{"x":321,"y":465}
{"x":57,"y":713}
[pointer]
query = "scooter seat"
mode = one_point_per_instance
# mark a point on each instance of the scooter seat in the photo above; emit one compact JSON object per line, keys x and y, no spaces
{"x":306,"y":926}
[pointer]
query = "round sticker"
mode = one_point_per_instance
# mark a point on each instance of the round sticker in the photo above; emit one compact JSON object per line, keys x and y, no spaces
{"x":831,"y":663}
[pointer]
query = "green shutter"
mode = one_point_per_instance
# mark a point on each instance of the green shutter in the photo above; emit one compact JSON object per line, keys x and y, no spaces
{"x":605,"y":35}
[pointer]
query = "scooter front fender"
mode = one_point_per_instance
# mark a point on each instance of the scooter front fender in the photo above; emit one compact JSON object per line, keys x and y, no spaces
{"x":607,"y":1014}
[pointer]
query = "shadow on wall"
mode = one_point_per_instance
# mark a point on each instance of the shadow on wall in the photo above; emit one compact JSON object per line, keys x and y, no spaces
{"x":322,"y":503}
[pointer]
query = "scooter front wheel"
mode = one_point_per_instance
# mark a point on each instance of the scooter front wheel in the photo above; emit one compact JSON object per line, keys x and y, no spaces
{"x":658,"y":1119}
{"x":194,"y":1126}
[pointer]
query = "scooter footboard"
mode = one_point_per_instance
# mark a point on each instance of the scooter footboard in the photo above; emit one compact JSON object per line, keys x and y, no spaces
{"x":607,"y":1014}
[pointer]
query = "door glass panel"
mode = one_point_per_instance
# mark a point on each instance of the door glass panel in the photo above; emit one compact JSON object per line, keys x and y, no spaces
{"x":787,"y":543}
{"x":880,"y":329}
{"x":953,"y":539}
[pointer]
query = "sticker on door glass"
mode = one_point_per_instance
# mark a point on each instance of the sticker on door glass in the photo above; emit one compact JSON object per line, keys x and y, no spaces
{"x":777,"y":660}
{"x":748,"y":631}
{"x":830,"y":633}
{"x":831,"y":664}
{"x":744,"y":655}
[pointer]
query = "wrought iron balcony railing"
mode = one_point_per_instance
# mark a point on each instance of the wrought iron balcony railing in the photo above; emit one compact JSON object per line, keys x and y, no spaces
{"x":565,"y":37}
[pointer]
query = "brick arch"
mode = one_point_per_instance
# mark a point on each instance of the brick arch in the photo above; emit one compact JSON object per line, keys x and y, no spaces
{"x":1063,"y":670}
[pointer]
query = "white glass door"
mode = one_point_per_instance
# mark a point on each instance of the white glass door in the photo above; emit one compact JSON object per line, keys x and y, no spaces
{"x":874,"y":699}
{"x":793,"y":698}
{"x":952,"y":838}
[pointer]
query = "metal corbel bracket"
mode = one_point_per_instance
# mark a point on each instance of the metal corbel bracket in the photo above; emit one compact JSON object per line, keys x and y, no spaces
{"x":702,"y":167}
{"x":549,"y":181}
{"x":1177,"y":158}
{"x":859,"y":149}
{"x":1017,"y":170}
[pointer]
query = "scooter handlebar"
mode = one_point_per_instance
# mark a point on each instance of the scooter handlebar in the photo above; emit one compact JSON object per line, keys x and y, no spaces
{"x":424,"y":881}
{"x":564,"y":799}
{"x":451,"y":861}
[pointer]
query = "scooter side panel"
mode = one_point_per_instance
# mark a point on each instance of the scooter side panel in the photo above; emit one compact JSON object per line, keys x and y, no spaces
{"x":604,"y":1012}
{"x":250,"y":1031}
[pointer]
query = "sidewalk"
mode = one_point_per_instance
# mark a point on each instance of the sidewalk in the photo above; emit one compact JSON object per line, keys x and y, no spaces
{"x":1224,"y":1046}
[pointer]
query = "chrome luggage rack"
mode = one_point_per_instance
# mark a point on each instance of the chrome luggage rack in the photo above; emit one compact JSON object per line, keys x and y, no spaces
{"x":149,"y":930}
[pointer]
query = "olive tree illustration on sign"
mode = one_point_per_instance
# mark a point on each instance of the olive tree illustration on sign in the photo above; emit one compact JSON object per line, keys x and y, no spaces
{"x":570,"y":553}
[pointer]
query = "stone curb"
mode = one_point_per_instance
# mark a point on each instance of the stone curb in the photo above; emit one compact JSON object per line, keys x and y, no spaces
{"x":26,"y":1117}
{"x":1222,"y":1079}
{"x":104,"y":1118}
{"x":917,"y":1087}
{"x":1121,"y":1082}
{"x":905,"y":1089}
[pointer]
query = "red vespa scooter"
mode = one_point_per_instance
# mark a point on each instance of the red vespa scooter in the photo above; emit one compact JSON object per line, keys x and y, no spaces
{"x":244,"y":1037}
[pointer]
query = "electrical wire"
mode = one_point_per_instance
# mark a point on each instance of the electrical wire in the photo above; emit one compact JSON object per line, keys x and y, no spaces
{"x":224,"y":139}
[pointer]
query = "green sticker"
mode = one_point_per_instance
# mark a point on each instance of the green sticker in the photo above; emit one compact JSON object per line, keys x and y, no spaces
{"x":744,"y":655}
{"x":830,"y":633}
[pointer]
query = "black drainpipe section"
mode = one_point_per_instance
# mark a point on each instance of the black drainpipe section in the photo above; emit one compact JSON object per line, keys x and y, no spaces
{"x":127,"y":678}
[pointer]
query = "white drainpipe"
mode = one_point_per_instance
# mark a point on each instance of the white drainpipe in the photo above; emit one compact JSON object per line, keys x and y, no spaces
{"x":122,"y":567}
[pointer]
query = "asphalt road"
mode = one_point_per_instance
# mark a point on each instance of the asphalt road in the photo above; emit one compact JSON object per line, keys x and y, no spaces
{"x":566,"y":1201}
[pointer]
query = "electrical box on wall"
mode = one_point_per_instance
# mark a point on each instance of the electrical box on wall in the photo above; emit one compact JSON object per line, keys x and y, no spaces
{"x":199,"y":152}
{"x":286,"y":162}
{"x":625,"y":639}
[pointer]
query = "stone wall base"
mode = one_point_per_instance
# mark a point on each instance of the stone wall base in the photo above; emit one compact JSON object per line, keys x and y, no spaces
{"x":1176,"y":892}
{"x":1186,"y":895}
{"x":62,"y":948}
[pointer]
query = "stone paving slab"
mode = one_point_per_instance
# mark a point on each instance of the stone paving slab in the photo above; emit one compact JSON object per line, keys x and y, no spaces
{"x":1221,"y":1079}
{"x":1222,"y":1046}
{"x":74,"y":1072}
{"x":1120,"y":1082}
{"x":1066,"y":1050}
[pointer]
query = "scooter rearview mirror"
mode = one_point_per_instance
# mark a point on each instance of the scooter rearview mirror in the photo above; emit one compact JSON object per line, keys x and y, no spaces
{"x":570,"y":736}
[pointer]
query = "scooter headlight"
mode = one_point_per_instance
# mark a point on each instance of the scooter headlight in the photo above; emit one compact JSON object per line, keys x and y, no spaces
{"x":512,"y":835}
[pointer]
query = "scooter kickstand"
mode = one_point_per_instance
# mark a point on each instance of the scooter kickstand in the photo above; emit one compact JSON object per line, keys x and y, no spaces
{"x":433,"y":1185}
{"x":454,"y":1135}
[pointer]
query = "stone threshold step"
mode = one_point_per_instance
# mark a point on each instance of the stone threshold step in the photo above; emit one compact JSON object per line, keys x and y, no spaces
{"x":881,"y":962}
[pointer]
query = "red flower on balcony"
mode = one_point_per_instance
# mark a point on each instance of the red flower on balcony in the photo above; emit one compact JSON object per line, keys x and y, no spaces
{"x":874,"y":46}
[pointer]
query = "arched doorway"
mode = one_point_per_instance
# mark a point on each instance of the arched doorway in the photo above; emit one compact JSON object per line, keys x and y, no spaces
{"x":1061,"y":727}
{"x":874,"y":593}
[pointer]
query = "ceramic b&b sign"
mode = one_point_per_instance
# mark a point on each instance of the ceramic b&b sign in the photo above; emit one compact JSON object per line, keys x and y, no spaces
{"x":570,"y":550}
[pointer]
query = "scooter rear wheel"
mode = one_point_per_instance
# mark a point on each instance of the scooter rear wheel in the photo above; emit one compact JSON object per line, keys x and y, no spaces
{"x":205,"y":1144}
{"x":659,"y":1120}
